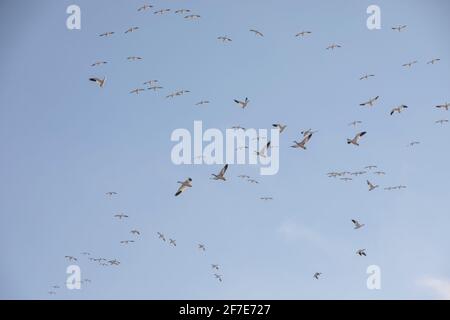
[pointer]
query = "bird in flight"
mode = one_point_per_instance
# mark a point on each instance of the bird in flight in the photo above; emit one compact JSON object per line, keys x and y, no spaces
{"x":433,"y":61}
{"x":266,"y":198}
{"x":371,"y":186}
{"x":357,"y":224}
{"x":161,"y":236}
{"x":201,"y":247}
{"x":359,"y":173}
{"x":132,"y":29}
{"x":182,"y":11}
{"x":410,"y":64}
{"x":145,"y":7}
{"x":135,"y":232}
{"x":98,"y":63}
{"x":200,"y":103}
{"x":252,"y":181}
{"x":137,"y":91}
{"x":303,"y":33}
{"x":215,"y":267}
{"x":361,"y":252}
{"x":370,"y":102}
{"x":184,"y":185}
{"x":412,"y":144}
{"x":306,"y":133}
{"x":366,"y":76}
{"x":107,"y":34}
{"x":399,"y":28}
{"x":333,"y":46}
{"x":444,"y":106}
{"x":151,"y":82}
{"x":442,"y":121}
{"x":162,"y":11}
{"x":317,"y":275}
{"x":355,"y":123}
{"x":346,"y":179}
{"x":114,"y":262}
{"x":262,"y":152}
{"x":111,"y":193}
{"x":380,"y":173}
{"x":154,"y":88}
{"x":256,"y":32}
{"x":127,"y":241}
{"x":221,"y":175}
{"x":218,"y":277}
{"x":224,"y":39}
{"x":243,"y":176}
{"x":355,"y":140}
{"x":371,"y":167}
{"x":71,"y":258}
{"x":134,"y":58}
{"x":243,"y":104}
{"x":173,"y":242}
{"x":121,"y":216}
{"x":98,"y":81}
{"x":303,"y":143}
{"x":181,"y":92}
{"x":192,"y":17}
{"x":399,"y":109}
{"x":280,"y":127}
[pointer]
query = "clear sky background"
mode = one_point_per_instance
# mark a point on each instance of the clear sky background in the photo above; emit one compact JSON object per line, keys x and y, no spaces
{"x":64,"y":142}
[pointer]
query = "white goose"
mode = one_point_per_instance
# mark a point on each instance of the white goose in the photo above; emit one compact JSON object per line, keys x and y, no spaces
{"x":182,"y":11}
{"x":98,"y":63}
{"x":162,"y":11}
{"x":366,"y":76}
{"x":221,"y":175}
{"x":355,"y":140}
{"x":370,"y":103}
{"x":132,"y":29}
{"x":444,"y":106}
{"x":355,"y":123}
{"x":357,"y":224}
{"x":192,"y":17}
{"x":280,"y":127}
{"x":145,"y":7}
{"x":224,"y":39}
{"x":161,"y":236}
{"x":410,"y":64}
{"x":98,"y":81}
{"x":433,"y":61}
{"x":361,"y":252}
{"x":333,"y":46}
{"x":303,"y":143}
{"x":137,"y":91}
{"x":399,"y":109}
{"x":184,"y":185}
{"x":262,"y":152}
{"x":107,"y":34}
{"x":371,"y":186}
{"x":256,"y":32}
{"x":303,"y":33}
{"x":243,"y":104}
{"x":399,"y":28}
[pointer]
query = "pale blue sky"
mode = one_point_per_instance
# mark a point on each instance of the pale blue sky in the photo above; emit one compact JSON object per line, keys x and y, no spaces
{"x":65,"y":142}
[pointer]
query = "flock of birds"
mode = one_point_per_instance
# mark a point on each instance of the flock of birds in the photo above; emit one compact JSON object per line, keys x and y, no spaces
{"x":300,"y":144}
